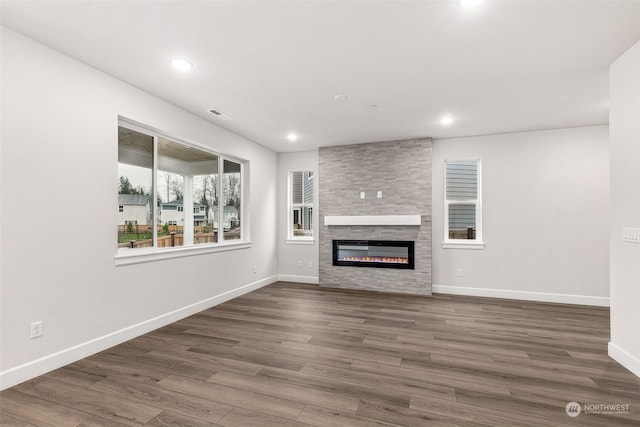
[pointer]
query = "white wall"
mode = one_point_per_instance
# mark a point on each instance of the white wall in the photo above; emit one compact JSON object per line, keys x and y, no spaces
{"x":294,"y":258}
{"x":59,"y":148}
{"x":137,"y":213}
{"x":545,"y":217}
{"x":624,"y":119}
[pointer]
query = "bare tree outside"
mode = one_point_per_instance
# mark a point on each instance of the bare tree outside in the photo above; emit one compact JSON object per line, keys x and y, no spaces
{"x":206,"y":193}
{"x":176,"y":185}
{"x":166,"y":179}
{"x":232,"y":190}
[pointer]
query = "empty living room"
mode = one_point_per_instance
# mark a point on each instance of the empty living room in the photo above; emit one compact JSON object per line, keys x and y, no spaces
{"x":319,"y":213}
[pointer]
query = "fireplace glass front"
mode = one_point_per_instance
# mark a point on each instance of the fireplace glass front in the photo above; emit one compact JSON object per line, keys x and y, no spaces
{"x":374,"y":253}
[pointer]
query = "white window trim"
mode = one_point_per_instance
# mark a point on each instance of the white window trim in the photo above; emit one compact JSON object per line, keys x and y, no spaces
{"x":478,"y":242}
{"x":141,"y":255}
{"x":299,"y":240}
{"x":470,"y":245}
{"x":154,"y":254}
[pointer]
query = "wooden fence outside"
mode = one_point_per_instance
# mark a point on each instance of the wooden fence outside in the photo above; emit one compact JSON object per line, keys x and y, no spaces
{"x":171,"y":240}
{"x":464,"y":234}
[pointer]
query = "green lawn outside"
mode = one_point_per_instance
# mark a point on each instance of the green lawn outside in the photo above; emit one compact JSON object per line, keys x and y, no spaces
{"x":127,"y":237}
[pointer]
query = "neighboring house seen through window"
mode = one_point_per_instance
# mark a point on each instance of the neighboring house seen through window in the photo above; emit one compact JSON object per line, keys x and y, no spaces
{"x":463,"y":207}
{"x":300,"y":223}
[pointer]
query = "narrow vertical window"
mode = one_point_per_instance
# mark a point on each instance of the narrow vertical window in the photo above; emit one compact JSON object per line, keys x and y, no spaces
{"x":300,"y":223}
{"x":171,"y":191}
{"x":205,"y":210}
{"x":135,"y":189}
{"x":463,"y":211}
{"x":232,"y":197}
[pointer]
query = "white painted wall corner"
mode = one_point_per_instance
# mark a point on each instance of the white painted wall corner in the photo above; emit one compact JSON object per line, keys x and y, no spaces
{"x":624,"y":358}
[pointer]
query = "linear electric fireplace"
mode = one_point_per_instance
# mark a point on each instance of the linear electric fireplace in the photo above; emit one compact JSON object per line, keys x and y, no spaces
{"x":374,"y":253}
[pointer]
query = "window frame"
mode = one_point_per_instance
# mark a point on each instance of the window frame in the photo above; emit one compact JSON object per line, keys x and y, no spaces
{"x":154,"y":253}
{"x":478,"y":242}
{"x":291,"y":207}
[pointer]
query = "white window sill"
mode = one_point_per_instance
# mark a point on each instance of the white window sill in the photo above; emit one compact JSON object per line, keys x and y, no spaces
{"x":137,"y":256}
{"x":463,"y":245}
{"x":300,"y":241}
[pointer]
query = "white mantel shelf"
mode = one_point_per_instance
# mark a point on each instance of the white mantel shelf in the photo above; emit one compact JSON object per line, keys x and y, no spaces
{"x":372,"y":220}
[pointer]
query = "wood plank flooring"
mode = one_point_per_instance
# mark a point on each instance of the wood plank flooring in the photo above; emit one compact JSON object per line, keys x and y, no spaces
{"x":298,"y":355}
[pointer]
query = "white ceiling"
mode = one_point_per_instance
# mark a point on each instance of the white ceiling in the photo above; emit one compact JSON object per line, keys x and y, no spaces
{"x":275,"y":66}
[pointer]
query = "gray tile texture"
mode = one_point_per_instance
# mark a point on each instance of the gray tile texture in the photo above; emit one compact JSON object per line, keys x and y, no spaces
{"x":402,"y":171}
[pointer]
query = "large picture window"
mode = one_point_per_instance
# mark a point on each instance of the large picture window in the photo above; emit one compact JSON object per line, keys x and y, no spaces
{"x":463,"y":207}
{"x":300,"y":223}
{"x":169,"y":193}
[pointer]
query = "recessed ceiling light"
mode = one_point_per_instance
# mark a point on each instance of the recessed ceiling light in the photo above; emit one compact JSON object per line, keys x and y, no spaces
{"x":373,"y":107}
{"x":447,"y":120}
{"x":292,"y":137}
{"x":468,"y":4}
{"x":340,"y":98}
{"x":182,"y":65}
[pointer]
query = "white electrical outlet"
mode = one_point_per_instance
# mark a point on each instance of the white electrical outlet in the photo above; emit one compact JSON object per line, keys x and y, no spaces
{"x":299,"y":264}
{"x":363,"y":194}
{"x":36,"y":329}
{"x":631,"y":235}
{"x":379,"y":194}
{"x":310,"y":264}
{"x":460,"y":272}
{"x":255,"y":269}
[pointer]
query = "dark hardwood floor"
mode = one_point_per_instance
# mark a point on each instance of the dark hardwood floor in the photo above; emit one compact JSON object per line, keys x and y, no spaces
{"x":291,"y":354}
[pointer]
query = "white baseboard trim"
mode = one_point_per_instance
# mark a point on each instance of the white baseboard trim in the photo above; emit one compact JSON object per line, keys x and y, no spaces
{"x":522,"y":295}
{"x":624,"y":358}
{"x":314,"y":280}
{"x":48,"y":363}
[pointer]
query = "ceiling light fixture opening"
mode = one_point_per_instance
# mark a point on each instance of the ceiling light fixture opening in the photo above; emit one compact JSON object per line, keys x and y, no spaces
{"x":447,"y":120}
{"x":292,"y":137}
{"x":181,"y":65}
{"x":340,"y":98}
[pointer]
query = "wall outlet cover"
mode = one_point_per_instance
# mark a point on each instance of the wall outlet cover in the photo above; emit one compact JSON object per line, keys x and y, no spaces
{"x":36,"y":329}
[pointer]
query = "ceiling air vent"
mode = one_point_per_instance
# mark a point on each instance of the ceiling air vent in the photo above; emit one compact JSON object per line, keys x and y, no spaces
{"x":219,"y":114}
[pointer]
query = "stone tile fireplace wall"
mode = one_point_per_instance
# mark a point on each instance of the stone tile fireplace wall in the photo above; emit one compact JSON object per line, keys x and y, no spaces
{"x":402,"y":171}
